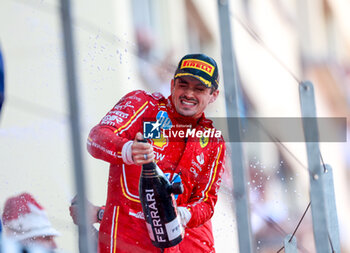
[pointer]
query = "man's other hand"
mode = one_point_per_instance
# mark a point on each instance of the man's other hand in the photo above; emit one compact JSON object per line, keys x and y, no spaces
{"x":92,"y":211}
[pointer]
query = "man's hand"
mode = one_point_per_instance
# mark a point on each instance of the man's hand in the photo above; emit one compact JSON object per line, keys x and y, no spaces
{"x":142,"y":152}
{"x":184,"y":215}
{"x":92,"y":211}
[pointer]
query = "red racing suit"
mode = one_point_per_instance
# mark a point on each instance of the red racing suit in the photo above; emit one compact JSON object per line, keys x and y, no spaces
{"x":199,"y":159}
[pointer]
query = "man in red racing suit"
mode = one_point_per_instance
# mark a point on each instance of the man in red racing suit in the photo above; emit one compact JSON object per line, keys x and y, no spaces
{"x":198,"y":161}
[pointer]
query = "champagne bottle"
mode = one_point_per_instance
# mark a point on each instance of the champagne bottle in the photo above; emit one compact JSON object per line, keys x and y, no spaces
{"x":159,"y":206}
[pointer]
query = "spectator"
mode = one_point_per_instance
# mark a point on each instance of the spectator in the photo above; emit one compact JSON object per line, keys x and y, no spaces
{"x":26,"y":221}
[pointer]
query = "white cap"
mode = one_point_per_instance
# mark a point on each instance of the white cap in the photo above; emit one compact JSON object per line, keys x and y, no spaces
{"x":24,"y":218}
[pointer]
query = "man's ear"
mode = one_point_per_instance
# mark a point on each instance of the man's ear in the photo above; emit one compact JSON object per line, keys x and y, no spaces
{"x":214,"y":96}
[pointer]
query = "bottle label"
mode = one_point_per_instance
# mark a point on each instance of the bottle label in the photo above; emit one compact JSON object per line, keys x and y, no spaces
{"x":173,"y":229}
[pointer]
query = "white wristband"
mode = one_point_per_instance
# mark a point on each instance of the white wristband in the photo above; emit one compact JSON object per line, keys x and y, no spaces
{"x":126,"y":153}
{"x":184,"y":214}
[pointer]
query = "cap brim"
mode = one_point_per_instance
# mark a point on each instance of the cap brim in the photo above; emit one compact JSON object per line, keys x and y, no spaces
{"x":47,"y":231}
{"x":206,"y":83}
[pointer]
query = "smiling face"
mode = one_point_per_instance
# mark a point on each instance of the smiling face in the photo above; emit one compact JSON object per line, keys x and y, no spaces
{"x":190,"y":96}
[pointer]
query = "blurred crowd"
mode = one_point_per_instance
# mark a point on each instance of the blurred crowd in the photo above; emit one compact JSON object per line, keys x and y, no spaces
{"x":26,"y":226}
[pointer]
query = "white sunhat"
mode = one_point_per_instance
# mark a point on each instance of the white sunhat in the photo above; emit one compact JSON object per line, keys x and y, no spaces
{"x":24,"y":218}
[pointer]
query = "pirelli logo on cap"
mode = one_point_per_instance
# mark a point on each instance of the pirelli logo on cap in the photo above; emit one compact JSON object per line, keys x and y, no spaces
{"x":198,"y":64}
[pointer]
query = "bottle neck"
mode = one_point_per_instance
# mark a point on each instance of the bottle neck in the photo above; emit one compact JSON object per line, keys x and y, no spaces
{"x":149,"y":170}
{"x":149,"y":166}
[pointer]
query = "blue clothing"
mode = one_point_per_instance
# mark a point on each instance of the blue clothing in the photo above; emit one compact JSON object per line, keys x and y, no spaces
{"x":2,"y":81}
